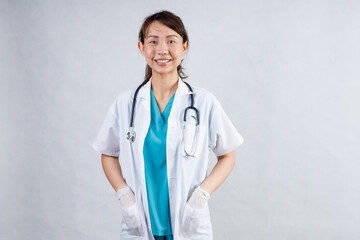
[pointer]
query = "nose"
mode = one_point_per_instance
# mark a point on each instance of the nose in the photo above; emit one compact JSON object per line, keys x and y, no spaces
{"x":162,"y":48}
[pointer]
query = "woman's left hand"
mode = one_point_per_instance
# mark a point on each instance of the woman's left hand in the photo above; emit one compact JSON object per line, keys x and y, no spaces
{"x":198,"y":198}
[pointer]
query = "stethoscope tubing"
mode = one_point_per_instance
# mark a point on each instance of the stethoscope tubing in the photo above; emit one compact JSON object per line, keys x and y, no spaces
{"x":134,"y":103}
{"x":131,"y":134}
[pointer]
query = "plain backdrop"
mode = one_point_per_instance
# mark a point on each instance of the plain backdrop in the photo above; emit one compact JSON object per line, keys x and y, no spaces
{"x":286,"y":73}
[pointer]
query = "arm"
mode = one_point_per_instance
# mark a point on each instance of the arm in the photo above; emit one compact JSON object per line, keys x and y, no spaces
{"x":220,"y":172}
{"x":112,"y":171}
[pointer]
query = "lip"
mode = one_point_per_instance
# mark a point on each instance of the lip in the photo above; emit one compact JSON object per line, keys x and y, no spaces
{"x":162,"y":63}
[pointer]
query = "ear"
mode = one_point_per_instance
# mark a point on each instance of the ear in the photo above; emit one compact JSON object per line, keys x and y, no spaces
{"x":185,"y":47}
{"x":141,"y":47}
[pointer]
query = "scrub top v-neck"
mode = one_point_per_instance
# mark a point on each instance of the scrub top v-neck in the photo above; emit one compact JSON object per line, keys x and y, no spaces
{"x":156,"y":168}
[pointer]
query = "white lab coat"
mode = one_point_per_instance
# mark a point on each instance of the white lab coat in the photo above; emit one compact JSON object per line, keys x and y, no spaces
{"x":184,"y":173}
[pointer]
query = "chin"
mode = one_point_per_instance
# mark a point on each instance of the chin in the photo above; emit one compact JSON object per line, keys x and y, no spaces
{"x":163,"y":71}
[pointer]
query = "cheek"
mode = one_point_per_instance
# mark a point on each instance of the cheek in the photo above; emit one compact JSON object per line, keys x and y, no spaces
{"x":149,"y":57}
{"x":148,"y":52}
{"x":177,"y":53}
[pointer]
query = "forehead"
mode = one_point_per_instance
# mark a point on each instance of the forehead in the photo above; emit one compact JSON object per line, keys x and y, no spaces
{"x":159,"y":29}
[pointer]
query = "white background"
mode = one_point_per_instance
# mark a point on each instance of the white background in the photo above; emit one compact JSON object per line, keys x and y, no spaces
{"x":286,"y":73}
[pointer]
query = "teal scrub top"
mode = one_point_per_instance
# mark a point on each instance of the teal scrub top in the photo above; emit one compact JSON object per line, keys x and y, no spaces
{"x":156,"y":169}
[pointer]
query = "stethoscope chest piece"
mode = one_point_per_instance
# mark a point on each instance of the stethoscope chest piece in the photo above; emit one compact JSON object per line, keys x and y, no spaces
{"x":131,"y":135}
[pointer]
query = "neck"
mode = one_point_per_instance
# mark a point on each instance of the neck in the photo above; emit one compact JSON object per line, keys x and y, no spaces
{"x":164,"y":85}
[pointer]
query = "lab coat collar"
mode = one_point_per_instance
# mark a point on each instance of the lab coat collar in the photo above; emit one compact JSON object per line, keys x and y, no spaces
{"x":182,"y":89}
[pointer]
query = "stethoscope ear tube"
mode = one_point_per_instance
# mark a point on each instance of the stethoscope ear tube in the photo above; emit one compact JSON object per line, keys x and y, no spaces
{"x":190,"y":149}
{"x":197,"y":114}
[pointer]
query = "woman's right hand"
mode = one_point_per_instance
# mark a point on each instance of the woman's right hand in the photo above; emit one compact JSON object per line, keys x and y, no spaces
{"x":131,"y":220}
{"x":126,"y":196}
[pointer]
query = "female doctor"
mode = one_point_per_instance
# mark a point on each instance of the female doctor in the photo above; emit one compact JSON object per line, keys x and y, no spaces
{"x":155,"y":141}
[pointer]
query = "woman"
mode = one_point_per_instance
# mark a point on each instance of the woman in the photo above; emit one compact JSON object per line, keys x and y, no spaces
{"x":157,"y":168}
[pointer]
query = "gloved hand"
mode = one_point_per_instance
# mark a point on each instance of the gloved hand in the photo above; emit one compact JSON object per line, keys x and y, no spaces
{"x":198,"y":198}
{"x":126,"y":197}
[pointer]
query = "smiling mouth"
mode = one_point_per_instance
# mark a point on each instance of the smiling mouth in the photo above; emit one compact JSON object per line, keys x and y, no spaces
{"x":162,"y":61}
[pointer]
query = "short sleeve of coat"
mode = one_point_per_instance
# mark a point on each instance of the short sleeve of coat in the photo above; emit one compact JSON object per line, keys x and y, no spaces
{"x":223,"y":136}
{"x":107,"y":139}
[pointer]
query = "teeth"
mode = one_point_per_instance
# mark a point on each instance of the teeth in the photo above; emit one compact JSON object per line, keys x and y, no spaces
{"x":162,"y":61}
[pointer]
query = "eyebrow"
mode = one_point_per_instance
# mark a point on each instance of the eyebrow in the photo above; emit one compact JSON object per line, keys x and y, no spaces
{"x":155,"y":36}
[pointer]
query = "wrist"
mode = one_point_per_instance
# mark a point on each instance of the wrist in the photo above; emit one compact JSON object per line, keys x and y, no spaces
{"x":205,"y":193}
{"x":126,"y":196}
{"x":122,"y":191}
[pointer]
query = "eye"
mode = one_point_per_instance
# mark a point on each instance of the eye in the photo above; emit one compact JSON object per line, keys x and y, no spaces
{"x":152,"y":42}
{"x":171,"y":41}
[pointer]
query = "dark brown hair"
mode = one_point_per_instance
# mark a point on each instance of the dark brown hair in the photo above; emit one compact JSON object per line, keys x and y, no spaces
{"x":173,"y":22}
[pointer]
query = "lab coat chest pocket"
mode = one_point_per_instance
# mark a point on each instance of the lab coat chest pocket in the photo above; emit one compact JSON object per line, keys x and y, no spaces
{"x":131,"y":223}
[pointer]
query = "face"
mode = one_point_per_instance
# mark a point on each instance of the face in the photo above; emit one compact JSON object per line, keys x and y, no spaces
{"x":163,"y":49}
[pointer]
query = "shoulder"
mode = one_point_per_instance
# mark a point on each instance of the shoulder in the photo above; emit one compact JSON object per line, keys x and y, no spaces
{"x":122,"y":101}
{"x":205,"y":96}
{"x":125,"y":96}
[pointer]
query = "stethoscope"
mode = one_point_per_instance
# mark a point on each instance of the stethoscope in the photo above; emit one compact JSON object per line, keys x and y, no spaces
{"x":189,"y":150}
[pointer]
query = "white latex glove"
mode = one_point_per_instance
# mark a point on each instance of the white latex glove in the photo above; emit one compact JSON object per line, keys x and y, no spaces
{"x":126,"y":197}
{"x":198,"y":198}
